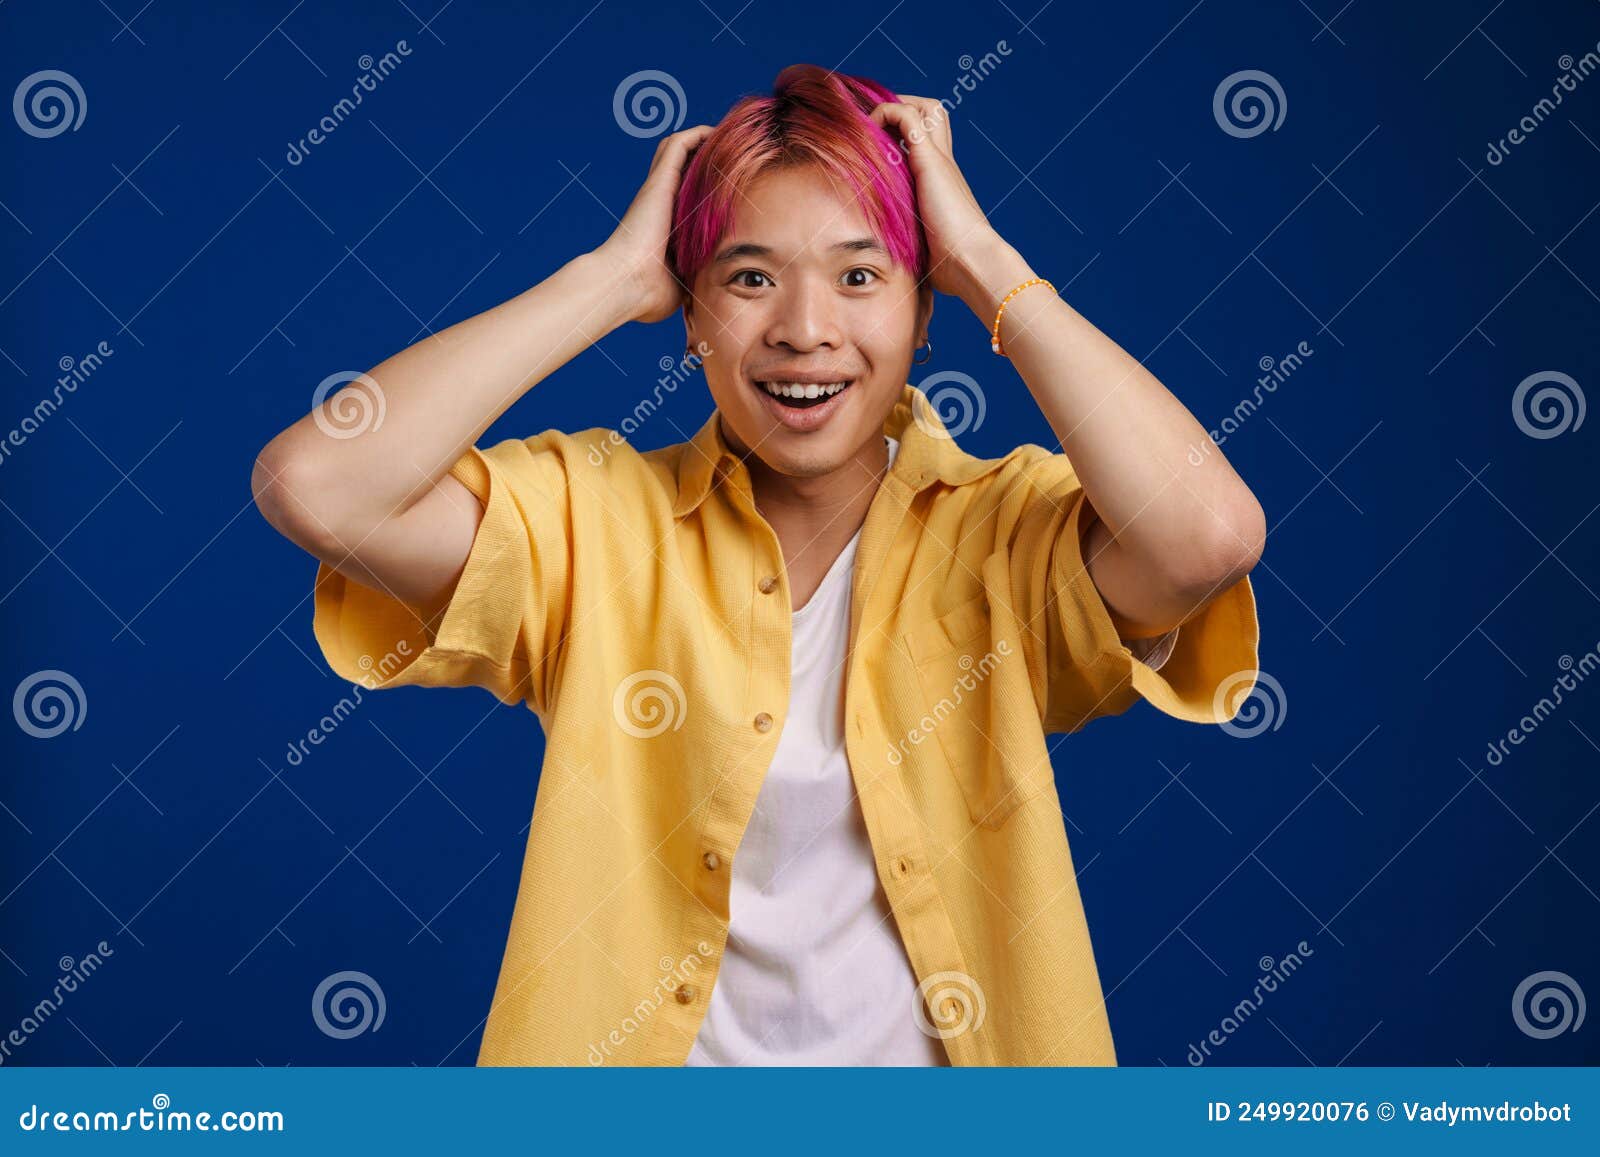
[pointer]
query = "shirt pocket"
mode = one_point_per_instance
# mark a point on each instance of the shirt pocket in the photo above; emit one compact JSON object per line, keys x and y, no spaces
{"x":976,"y":701}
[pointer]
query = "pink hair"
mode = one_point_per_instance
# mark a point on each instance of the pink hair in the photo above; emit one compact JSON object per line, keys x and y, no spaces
{"x":813,"y":117}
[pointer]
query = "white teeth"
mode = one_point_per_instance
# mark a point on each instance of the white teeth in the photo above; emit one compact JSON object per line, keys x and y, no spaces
{"x":802,"y":389}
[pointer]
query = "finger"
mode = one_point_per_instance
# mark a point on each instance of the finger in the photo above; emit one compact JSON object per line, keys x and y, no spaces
{"x":691,"y":137}
{"x":900,"y":117}
{"x":934,"y":117}
{"x":911,"y":121}
{"x":678,"y":146}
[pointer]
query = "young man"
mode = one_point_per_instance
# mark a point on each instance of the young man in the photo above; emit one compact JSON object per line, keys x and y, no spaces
{"x":794,"y":674}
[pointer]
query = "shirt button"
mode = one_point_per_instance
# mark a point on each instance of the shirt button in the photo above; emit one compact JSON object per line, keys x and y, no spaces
{"x":684,"y":993}
{"x":712,"y":861}
{"x":763,"y":722}
{"x":768,"y":584}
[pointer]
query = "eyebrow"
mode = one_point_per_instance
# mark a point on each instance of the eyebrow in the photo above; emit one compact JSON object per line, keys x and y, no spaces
{"x":751,"y":249}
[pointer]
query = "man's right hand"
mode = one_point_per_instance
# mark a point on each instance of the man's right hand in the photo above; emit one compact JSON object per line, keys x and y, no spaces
{"x":379,"y":505}
{"x":637,"y":250}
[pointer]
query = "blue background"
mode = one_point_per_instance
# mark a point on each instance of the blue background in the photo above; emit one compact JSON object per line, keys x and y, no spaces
{"x":1428,"y":565}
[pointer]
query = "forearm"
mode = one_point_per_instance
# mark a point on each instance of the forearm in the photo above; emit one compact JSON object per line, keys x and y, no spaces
{"x":1172,"y":531}
{"x":437,"y":397}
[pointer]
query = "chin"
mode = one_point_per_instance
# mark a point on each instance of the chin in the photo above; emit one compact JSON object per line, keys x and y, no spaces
{"x":804,"y":462}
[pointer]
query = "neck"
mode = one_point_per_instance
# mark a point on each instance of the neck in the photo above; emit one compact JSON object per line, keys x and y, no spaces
{"x":814,"y":517}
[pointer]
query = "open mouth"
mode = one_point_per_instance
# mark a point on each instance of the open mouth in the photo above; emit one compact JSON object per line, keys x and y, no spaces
{"x":802,"y":395}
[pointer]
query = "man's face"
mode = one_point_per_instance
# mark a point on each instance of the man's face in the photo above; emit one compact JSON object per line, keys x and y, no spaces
{"x":800,"y":289}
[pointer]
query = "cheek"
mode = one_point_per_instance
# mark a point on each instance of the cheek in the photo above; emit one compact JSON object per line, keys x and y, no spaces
{"x":731,"y":353}
{"x":883,"y":336}
{"x":731,"y":323}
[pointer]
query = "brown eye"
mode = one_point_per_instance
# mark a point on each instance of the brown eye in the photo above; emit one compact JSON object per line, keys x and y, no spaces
{"x":747,"y":273}
{"x":870,"y":274}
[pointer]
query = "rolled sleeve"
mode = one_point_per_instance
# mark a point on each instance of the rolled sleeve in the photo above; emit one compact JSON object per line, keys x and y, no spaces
{"x":1199,"y":674}
{"x":505,"y":619}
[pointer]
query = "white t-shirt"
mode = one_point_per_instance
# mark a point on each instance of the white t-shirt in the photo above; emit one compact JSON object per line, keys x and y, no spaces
{"x":815,"y":972}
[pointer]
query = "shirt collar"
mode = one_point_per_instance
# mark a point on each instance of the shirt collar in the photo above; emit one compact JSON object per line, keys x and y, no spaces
{"x":928,"y":453}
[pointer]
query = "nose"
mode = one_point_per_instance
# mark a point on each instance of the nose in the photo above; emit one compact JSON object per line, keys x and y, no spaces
{"x":804,"y":317}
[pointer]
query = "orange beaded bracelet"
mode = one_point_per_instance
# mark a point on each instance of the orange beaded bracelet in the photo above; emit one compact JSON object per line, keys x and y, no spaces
{"x":994,"y":336}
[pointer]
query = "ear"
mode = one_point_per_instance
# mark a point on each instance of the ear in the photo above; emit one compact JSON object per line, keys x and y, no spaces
{"x":924,"y":313}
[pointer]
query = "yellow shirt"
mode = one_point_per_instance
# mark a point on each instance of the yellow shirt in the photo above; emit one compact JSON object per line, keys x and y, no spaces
{"x":639,"y":605}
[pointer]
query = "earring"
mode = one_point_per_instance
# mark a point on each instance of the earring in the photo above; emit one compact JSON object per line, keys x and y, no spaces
{"x":922,"y":361}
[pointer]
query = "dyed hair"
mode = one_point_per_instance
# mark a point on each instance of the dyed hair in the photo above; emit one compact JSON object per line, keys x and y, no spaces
{"x":813,"y":117}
